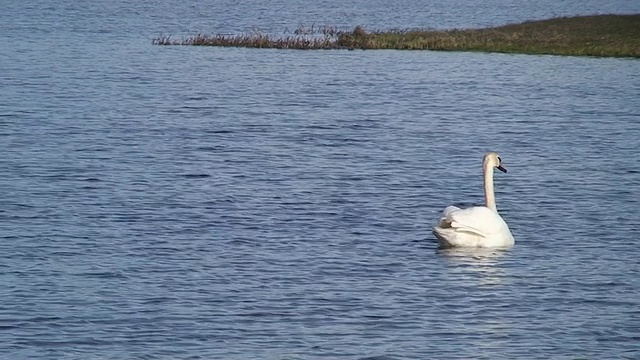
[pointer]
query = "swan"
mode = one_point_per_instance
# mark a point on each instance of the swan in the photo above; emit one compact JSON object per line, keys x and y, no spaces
{"x":478,"y":226}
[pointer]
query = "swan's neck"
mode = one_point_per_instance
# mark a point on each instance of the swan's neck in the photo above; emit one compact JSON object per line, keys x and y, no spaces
{"x":489,"y":196}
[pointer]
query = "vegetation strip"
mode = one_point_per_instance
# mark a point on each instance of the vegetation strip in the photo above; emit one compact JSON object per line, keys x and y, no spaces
{"x":597,"y":35}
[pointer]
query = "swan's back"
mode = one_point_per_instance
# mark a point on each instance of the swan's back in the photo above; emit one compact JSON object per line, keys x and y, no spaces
{"x":477,"y":226}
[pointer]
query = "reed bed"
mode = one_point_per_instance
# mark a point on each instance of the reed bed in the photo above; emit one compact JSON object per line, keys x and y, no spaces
{"x":598,"y":35}
{"x":254,"y":40}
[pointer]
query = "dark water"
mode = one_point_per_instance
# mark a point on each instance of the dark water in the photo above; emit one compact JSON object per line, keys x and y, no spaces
{"x":247,"y":204}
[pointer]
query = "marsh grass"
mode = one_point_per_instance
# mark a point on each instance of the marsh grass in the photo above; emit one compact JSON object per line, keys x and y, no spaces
{"x":252,"y":41}
{"x":598,"y":35}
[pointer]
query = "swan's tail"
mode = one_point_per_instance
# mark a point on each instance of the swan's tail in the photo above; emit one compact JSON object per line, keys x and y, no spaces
{"x":443,"y":231}
{"x":452,"y":233}
{"x":446,"y":235}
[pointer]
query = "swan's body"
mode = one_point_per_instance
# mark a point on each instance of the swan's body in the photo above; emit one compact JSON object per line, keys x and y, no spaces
{"x":478,"y":226}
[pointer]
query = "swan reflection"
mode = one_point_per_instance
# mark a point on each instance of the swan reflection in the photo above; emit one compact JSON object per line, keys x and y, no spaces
{"x":487,"y":262}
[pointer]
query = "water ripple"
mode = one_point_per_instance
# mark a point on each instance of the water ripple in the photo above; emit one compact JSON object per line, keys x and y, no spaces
{"x":240,"y":203}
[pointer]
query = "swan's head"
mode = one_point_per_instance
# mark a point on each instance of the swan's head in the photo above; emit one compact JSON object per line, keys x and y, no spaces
{"x":492,"y":159}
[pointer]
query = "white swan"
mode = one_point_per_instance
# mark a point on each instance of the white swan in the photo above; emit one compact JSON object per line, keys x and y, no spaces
{"x":478,"y":226}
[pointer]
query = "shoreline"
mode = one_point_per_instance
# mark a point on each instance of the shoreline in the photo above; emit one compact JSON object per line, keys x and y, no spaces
{"x":592,"y":35}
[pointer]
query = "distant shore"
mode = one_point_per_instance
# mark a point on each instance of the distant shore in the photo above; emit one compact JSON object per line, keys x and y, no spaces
{"x":597,"y":35}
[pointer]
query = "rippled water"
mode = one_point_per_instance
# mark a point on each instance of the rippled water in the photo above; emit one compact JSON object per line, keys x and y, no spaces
{"x":208,"y":203}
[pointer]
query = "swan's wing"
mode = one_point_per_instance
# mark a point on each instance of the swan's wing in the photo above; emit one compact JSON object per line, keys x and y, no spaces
{"x":443,"y":222}
{"x":447,"y":211}
{"x":477,"y":220}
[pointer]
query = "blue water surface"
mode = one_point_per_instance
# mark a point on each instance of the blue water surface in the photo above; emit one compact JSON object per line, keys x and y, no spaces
{"x":220,"y":203}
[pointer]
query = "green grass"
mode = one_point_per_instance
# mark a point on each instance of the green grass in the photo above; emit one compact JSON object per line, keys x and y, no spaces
{"x":598,"y":35}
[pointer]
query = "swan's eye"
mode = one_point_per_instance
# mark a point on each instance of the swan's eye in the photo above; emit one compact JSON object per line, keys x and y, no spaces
{"x":499,"y":160}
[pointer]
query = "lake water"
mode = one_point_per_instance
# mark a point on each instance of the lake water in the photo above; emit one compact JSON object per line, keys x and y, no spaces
{"x":209,"y":203}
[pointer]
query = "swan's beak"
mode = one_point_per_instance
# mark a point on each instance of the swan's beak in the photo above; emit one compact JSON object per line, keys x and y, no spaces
{"x":501,"y":168}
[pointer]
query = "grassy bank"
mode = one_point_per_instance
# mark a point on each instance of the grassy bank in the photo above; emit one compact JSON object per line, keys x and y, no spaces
{"x":599,"y":35}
